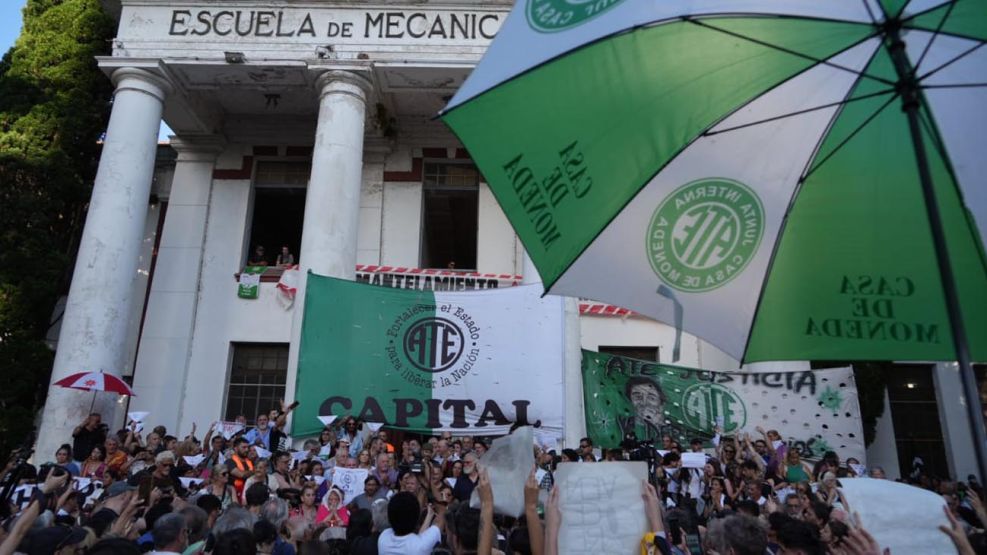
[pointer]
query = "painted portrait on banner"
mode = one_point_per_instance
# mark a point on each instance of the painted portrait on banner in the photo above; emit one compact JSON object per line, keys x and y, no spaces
{"x":631,"y":399}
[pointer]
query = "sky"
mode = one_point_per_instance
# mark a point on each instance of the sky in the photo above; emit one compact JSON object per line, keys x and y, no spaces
{"x":10,"y":28}
{"x":10,"y":22}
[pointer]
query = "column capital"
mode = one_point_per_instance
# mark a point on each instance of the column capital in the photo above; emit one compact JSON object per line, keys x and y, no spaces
{"x":132,"y":78}
{"x":198,"y":147}
{"x":337,"y":81}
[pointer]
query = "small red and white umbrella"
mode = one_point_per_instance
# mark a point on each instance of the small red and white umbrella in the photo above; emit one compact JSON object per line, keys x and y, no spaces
{"x":96,"y":381}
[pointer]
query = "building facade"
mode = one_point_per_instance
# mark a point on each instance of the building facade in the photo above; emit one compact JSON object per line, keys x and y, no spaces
{"x":305,"y":125}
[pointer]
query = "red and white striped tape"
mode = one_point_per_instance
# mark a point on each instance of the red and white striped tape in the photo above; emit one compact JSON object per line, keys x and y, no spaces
{"x":585,"y":307}
{"x":430,"y":272}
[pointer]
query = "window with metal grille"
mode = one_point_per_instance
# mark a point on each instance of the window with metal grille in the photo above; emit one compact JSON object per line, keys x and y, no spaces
{"x":450,"y":209}
{"x":257,"y":379}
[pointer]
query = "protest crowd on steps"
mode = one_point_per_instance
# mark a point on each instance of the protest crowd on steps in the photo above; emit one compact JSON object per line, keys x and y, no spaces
{"x":242,"y":490}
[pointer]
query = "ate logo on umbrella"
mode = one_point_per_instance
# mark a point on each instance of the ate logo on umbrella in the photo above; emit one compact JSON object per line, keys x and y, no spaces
{"x":704,"y":234}
{"x":557,"y":15}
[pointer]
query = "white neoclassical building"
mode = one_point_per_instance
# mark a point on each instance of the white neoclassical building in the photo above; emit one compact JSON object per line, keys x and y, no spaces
{"x":308,"y":125}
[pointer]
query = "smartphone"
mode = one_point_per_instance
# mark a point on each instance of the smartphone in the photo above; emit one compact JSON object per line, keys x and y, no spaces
{"x":693,"y":544}
{"x":145,"y":487}
{"x":767,"y":490}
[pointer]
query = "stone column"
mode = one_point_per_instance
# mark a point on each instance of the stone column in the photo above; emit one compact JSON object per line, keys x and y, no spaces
{"x":160,"y":377}
{"x":332,"y":201}
{"x":94,"y":326}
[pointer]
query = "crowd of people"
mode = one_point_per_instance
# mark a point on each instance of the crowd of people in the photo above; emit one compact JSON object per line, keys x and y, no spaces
{"x":250,"y":492}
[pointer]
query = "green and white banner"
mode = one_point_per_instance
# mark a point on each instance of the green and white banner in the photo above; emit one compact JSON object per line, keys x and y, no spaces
{"x":249,"y":285}
{"x":468,"y":362}
{"x":816,"y":411}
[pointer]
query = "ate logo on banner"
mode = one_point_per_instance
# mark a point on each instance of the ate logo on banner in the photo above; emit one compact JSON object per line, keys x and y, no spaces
{"x":556,"y":15}
{"x":433,"y":346}
{"x":704,"y":234}
{"x":706,"y":405}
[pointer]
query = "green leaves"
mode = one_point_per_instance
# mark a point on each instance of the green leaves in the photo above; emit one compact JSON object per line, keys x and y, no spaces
{"x":54,"y":103}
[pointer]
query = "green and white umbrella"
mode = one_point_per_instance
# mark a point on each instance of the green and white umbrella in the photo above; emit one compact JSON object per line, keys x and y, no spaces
{"x":786,"y":180}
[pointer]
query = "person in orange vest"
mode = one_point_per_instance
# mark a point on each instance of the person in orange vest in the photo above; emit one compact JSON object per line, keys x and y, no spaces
{"x":239,"y":465}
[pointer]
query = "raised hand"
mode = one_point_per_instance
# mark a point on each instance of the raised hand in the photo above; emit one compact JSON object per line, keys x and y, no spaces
{"x":483,"y":488}
{"x":651,"y":503}
{"x":531,"y":489}
{"x":53,"y":482}
{"x":956,"y":533}
{"x":859,"y":541}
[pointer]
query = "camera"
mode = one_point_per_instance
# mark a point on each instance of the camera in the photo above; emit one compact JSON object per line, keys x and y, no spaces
{"x":49,"y":469}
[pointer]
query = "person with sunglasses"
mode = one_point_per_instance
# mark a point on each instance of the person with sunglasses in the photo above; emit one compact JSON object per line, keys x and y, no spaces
{"x":220,"y":486}
{"x":162,"y":473}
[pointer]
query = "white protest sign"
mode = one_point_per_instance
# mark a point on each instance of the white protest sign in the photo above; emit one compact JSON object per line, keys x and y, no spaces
{"x":325,"y":451}
{"x":374,"y":426}
{"x":901,"y":517}
{"x":548,"y":441}
{"x":693,"y":460}
{"x":508,"y":462}
{"x":229,"y":429}
{"x":350,"y":480}
{"x":316,"y":478}
{"x":21,"y":495}
{"x":194,"y":460}
{"x":187,"y":483}
{"x":92,"y":489}
{"x":261,"y":452}
{"x":138,"y":416}
{"x":602,"y":508}
{"x":327,"y":420}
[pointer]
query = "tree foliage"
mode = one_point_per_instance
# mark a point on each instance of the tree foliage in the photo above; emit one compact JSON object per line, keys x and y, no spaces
{"x":53,"y":108}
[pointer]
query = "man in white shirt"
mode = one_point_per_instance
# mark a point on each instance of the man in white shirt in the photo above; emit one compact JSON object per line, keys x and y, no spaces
{"x":400,"y":539}
{"x":170,"y":535}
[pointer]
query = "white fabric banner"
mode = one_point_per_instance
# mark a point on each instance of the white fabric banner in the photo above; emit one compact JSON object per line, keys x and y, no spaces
{"x":474,"y":362}
{"x":815,"y":411}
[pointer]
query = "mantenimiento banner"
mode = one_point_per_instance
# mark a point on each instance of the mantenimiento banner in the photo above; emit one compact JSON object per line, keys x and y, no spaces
{"x":816,"y":411}
{"x":467,"y":362}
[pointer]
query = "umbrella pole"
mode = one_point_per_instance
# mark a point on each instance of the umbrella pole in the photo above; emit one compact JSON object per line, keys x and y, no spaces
{"x":908,"y":87}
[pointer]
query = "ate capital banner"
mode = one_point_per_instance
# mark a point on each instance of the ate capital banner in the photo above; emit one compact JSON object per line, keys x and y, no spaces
{"x":473,"y":362}
{"x":816,"y":411}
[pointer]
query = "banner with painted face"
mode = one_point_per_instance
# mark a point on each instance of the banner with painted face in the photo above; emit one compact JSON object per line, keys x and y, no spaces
{"x":816,"y":411}
{"x":472,"y":362}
